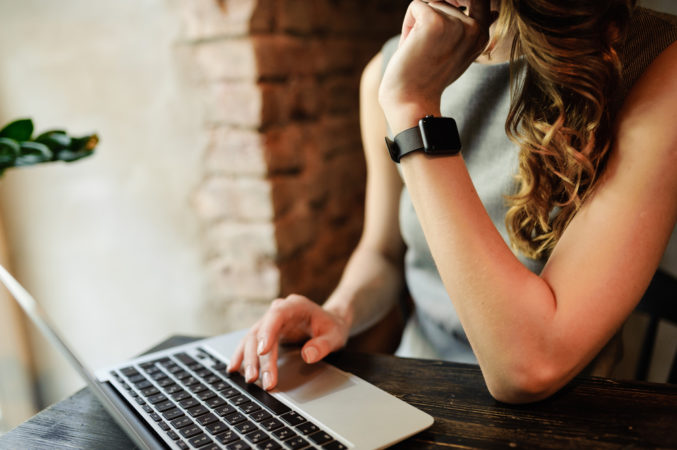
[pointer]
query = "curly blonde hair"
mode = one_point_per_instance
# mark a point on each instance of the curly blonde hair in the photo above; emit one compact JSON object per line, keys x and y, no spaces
{"x":565,"y":69}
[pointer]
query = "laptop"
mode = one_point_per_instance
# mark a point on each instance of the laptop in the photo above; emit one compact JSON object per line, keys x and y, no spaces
{"x":182,"y":398}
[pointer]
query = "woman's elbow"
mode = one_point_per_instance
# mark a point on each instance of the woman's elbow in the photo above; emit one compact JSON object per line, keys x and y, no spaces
{"x":525,"y":383}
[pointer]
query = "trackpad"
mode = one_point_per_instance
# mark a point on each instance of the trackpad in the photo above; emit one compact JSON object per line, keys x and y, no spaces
{"x":307,"y":382}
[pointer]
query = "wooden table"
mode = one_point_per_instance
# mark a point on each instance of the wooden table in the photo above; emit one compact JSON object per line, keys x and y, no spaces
{"x":588,"y":413}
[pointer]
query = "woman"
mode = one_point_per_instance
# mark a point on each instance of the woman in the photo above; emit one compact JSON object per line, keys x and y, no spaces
{"x":526,"y":255}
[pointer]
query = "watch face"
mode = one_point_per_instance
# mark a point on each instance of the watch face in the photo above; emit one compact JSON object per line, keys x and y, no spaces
{"x":439,"y":135}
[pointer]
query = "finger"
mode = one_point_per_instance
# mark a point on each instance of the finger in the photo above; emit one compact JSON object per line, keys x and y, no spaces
{"x":269,"y":368}
{"x":236,"y":358}
{"x":251,"y":360}
{"x":480,"y":10}
{"x":448,"y":10}
{"x":319,"y":347}
{"x":271,"y":324}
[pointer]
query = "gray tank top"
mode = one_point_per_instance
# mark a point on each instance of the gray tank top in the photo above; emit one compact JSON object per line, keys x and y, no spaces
{"x":479,"y":100}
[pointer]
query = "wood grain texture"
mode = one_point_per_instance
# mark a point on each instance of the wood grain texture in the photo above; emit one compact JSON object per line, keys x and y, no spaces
{"x":588,"y":413}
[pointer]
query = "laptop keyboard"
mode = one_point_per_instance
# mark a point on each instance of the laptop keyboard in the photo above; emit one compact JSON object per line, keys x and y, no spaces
{"x":198,"y":405}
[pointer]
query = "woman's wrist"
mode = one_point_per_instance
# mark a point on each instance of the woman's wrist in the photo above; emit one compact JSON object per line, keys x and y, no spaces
{"x":403,"y":116}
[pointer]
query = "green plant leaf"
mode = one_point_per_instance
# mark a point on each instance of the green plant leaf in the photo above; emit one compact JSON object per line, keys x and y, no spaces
{"x":9,"y":150}
{"x":57,"y":141}
{"x":19,"y":130}
{"x":33,"y":153}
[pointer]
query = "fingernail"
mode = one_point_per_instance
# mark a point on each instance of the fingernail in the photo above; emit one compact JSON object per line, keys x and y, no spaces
{"x":310,"y":354}
{"x":266,"y":380}
{"x":249,"y":374}
{"x":262,"y":344}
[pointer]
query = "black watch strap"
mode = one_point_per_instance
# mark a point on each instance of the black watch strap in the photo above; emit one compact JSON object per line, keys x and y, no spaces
{"x":407,"y":141}
{"x":436,"y":136}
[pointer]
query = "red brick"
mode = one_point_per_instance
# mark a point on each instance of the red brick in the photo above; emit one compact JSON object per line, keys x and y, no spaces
{"x":294,"y":232}
{"x":284,"y":148}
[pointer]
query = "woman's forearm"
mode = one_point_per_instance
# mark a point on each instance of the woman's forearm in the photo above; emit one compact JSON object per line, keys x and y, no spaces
{"x":370,"y":286}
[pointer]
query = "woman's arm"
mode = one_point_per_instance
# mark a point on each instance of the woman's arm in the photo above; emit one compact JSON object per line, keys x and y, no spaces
{"x":372,"y":280}
{"x":532,"y":334}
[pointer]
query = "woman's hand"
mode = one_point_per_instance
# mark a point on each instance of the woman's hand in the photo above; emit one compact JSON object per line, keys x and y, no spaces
{"x":438,"y":43}
{"x":291,"y":319}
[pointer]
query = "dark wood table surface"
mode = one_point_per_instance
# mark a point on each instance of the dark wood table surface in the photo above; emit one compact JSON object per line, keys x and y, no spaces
{"x":588,"y":413}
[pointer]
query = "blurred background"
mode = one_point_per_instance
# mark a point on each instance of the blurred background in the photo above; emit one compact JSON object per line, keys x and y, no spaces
{"x":226,"y":173}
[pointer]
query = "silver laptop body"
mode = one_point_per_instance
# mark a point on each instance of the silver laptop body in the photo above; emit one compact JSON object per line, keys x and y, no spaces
{"x":182,"y":398}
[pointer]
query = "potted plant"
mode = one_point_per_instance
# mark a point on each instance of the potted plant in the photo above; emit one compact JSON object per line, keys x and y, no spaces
{"x":18,"y":147}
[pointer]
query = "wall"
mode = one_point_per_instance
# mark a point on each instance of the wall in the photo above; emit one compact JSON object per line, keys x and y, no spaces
{"x":109,"y":245}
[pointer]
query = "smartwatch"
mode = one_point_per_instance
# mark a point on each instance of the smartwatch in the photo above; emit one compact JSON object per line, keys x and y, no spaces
{"x":434,"y":135}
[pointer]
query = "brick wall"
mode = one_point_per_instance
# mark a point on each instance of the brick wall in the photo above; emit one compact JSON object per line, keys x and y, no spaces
{"x":282,"y":196}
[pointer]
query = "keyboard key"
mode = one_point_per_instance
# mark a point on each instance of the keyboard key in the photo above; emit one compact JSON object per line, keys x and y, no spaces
{"x":198,"y":387}
{"x":228,"y":391}
{"x":172,"y":435}
{"x":197,"y":410}
{"x":238,"y":400}
{"x":224,"y":410}
{"x":188,"y":403}
{"x":215,"y":402}
{"x":307,"y":428}
{"x":159,"y":375}
{"x":140,"y":401}
{"x":163,"y":425}
{"x":165,"y":406}
{"x":238,"y":445}
{"x":256,"y":436}
{"x":206,"y":394}
{"x":200,"y":440}
{"x":136,"y":378}
{"x":292,"y":418}
{"x":165,"y":382}
{"x":268,"y":445}
{"x":190,"y":431}
{"x":249,"y":407}
{"x":262,"y":396}
{"x":156,"y":417}
{"x":143,"y":384}
{"x":172,"y":414}
{"x":245,"y":427}
{"x":227,"y":437}
{"x":129,"y":371}
{"x":234,"y":418}
{"x":203,"y":373}
{"x":147,"y":408}
{"x":182,"y":445}
{"x":181,"y":395}
{"x":153,"y":399}
{"x":260,"y":415}
{"x":284,"y":433}
{"x":297,"y":442}
{"x":181,"y":422}
{"x":271,"y":424}
{"x":320,"y":437}
{"x":206,"y":419}
{"x":213,"y":379}
{"x":334,"y":445}
{"x":171,"y":389}
{"x":149,"y":391}
{"x":190,"y":381}
{"x":184,"y":358}
{"x":216,"y":427}
{"x":182,"y":374}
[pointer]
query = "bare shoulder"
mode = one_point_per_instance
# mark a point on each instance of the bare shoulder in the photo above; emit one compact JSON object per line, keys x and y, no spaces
{"x":648,"y":117}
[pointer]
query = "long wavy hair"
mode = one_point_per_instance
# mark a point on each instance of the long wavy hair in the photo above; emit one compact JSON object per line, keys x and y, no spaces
{"x":565,"y":70}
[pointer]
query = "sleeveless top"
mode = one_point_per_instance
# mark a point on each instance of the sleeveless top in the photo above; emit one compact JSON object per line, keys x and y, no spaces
{"x":479,"y":100}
